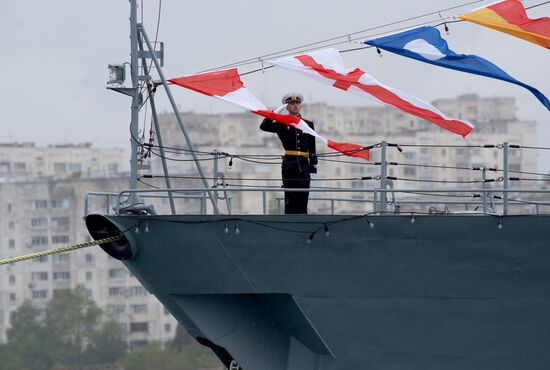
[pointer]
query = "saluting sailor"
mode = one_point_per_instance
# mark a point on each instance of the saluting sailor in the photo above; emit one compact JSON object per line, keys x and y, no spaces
{"x":299,"y":159}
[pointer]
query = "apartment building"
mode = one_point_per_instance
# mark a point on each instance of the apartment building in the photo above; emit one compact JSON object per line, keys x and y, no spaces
{"x":44,"y":211}
{"x":24,"y":160}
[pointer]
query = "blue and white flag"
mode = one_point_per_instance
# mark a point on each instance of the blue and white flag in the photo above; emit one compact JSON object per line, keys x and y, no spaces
{"x":425,"y":44}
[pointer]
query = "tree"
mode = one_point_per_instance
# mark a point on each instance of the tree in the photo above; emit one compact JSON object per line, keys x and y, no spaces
{"x":28,"y":342}
{"x":182,"y":339}
{"x":71,"y":318}
{"x":72,"y":332}
{"x":108,"y":344}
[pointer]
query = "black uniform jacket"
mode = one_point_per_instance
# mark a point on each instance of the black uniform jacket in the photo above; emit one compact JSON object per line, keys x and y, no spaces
{"x":292,"y":138}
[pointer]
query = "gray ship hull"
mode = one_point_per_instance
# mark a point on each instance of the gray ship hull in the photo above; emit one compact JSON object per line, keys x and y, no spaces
{"x":444,"y":292}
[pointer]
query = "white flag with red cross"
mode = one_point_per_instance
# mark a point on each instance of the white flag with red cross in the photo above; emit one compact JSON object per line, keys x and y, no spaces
{"x":227,"y":85}
{"x":327,"y":66}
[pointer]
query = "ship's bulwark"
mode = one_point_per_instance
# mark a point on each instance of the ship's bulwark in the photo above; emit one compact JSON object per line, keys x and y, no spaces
{"x":452,"y":292}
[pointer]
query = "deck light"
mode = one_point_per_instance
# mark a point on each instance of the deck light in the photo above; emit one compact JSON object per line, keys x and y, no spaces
{"x":226,"y":229}
{"x":117,"y":74}
{"x":237,"y":230}
{"x":327,"y":233}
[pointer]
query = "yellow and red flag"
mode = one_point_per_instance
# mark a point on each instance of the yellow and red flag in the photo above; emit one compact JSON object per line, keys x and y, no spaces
{"x":509,"y":16}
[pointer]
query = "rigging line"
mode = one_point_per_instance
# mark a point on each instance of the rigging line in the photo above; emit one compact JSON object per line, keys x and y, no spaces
{"x":439,"y":194}
{"x":527,"y":179}
{"x":182,"y":160}
{"x":363,"y":178}
{"x":535,"y":147}
{"x":156,"y":33}
{"x":424,"y":165}
{"x":147,"y":184}
{"x":536,"y":5}
{"x":362,"y":163}
{"x":143,"y":87}
{"x":347,"y":35}
{"x":439,"y":181}
{"x":446,"y":146}
{"x":184,"y":177}
{"x":253,"y":61}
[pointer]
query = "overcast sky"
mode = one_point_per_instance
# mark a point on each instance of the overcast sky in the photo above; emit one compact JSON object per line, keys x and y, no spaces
{"x":55,"y":56}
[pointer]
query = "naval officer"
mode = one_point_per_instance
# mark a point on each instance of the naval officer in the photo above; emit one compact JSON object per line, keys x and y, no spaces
{"x":299,"y":159}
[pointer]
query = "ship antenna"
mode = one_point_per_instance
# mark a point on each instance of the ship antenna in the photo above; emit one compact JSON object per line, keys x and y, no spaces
{"x":115,"y":83}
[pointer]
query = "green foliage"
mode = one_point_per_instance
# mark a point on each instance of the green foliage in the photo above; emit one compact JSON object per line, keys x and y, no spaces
{"x":28,"y":341}
{"x":71,"y":333}
{"x":181,"y":340}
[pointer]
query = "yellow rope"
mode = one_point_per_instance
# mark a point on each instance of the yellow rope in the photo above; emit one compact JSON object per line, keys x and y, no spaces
{"x":60,"y":250}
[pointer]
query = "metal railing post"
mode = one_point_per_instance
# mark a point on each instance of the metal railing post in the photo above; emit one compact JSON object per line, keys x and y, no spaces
{"x":506,"y":175}
{"x":215,"y":177}
{"x":264,"y":201}
{"x":484,"y":186}
{"x":383,"y":176}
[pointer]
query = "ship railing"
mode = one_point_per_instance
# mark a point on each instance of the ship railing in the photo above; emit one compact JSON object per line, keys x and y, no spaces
{"x":483,"y":200}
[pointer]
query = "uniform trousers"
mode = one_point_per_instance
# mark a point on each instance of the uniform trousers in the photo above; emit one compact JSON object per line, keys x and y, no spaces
{"x":295,"y":174}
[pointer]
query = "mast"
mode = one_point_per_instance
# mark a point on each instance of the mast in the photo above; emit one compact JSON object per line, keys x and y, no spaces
{"x":137,"y":30}
{"x":134,"y":70}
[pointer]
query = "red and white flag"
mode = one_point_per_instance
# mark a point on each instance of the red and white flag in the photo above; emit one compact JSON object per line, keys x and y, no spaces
{"x":327,"y":66}
{"x":227,"y":85}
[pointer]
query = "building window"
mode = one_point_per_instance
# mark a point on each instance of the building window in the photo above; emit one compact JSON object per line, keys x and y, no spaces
{"x":4,"y":167}
{"x":136,"y":290}
{"x":61,"y":258}
{"x":39,"y":294}
{"x":39,"y":276}
{"x":11,"y":243}
{"x":139,"y":327}
{"x":39,"y":223}
{"x":116,"y":273}
{"x":59,"y":167}
{"x":88,"y":275}
{"x":167,"y":328}
{"x":60,"y":239}
{"x":116,"y":309}
{"x":461,"y":152}
{"x":39,"y":240}
{"x":12,"y":279}
{"x":134,"y":344}
{"x":515,"y":167}
{"x":410,"y":171}
{"x":60,"y":221}
{"x":138,"y":308}
{"x":40,"y":259}
{"x":60,"y":203}
{"x":13,"y":297}
{"x":39,"y":204}
{"x":75,"y":167}
{"x":61,"y":275}
{"x":88,"y":258}
{"x":10,"y":207}
{"x":19,"y":166}
{"x":11,"y":225}
{"x":116,"y":291}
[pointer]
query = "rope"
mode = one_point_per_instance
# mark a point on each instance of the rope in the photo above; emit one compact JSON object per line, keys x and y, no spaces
{"x":60,"y":250}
